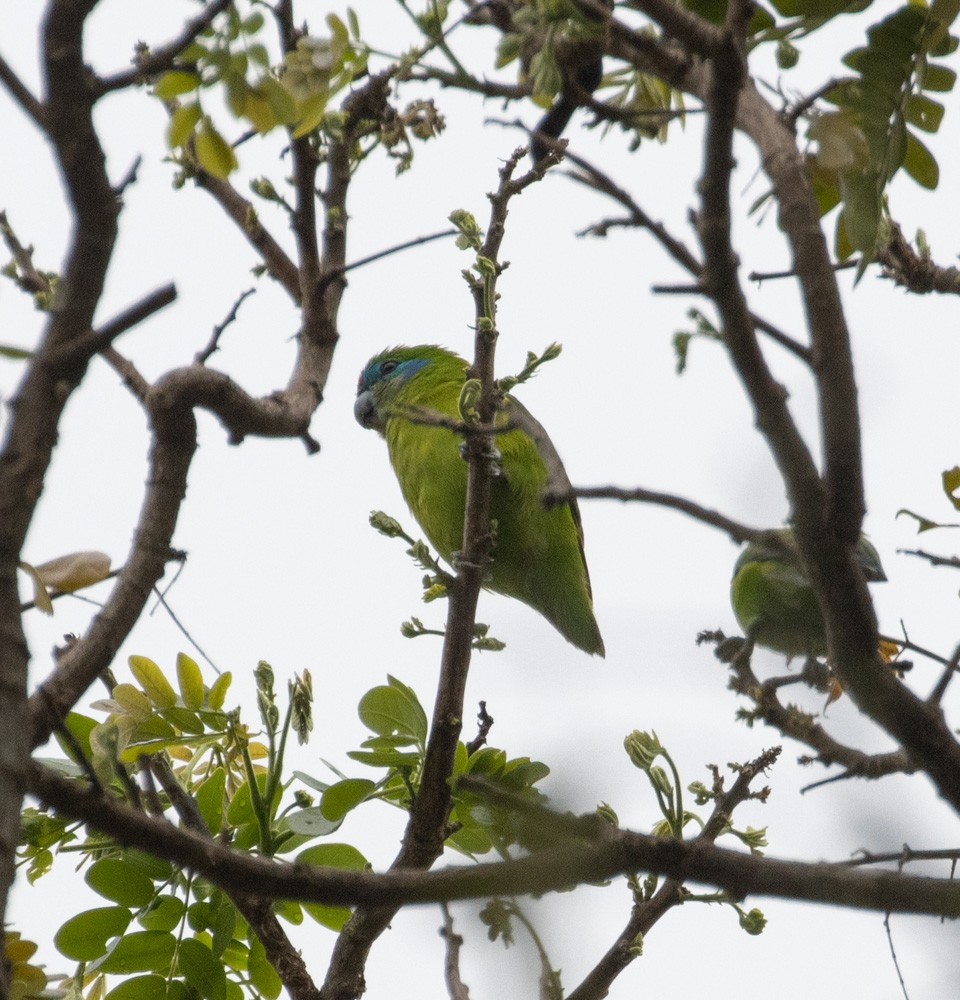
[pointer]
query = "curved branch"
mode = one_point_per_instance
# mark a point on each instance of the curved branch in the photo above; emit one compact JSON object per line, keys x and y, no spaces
{"x":159,"y":60}
{"x":587,"y":850}
{"x":737,"y":531}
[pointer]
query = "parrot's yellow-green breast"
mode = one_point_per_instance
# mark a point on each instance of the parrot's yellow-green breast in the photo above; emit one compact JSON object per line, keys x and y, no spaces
{"x":538,"y":554}
{"x":774,"y":601}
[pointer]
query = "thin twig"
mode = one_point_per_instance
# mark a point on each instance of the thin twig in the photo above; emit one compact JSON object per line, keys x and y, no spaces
{"x":213,"y":345}
{"x":451,"y":966}
{"x":736,"y":530}
{"x":22,"y":94}
{"x":154,"y":61}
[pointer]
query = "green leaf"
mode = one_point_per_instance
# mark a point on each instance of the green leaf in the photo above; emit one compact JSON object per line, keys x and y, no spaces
{"x":333,"y":917}
{"x":240,"y":809}
{"x":176,"y":82}
{"x":345,"y":795}
{"x":310,"y":113}
{"x":201,"y":970}
{"x":141,"y":951}
{"x":344,"y":856}
{"x":951,"y":483}
{"x":384,"y":758}
{"x":150,"y":677}
{"x":210,"y":800}
{"x":218,"y":690}
{"x":140,"y":988}
{"x":190,"y":680}
{"x":924,"y":112}
{"x":920,"y":164}
{"x":311,"y":822}
{"x":164,"y":913}
{"x":861,"y":210}
{"x":263,"y":976}
{"x":223,"y":923}
{"x":182,"y":123}
{"x":288,"y":910}
{"x":14,"y":353}
{"x":940,"y":79}
{"x":84,"y":937}
{"x":155,"y":868}
{"x":118,"y":880}
{"x":213,"y":151}
{"x":394,"y":708}
{"x":184,"y":720}
{"x":79,"y":726}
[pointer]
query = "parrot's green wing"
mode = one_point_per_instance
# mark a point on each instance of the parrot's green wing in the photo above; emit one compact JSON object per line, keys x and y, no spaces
{"x":538,"y":555}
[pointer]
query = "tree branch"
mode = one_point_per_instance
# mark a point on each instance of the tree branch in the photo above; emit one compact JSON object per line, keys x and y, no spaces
{"x":257,"y":911}
{"x":608,"y":852}
{"x":22,"y":94}
{"x":154,"y":61}
{"x":647,"y":912}
{"x":738,"y":532}
{"x":427,"y":827}
{"x":42,"y":395}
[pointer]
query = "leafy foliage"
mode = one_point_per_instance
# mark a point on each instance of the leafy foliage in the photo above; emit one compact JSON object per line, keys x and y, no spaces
{"x":872,"y":134}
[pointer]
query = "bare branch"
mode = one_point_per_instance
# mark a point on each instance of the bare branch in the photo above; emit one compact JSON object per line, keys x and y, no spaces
{"x":213,"y":345}
{"x":790,"y":721}
{"x":28,"y":277}
{"x":698,"y":34}
{"x":915,"y":271}
{"x":154,"y":61}
{"x":738,"y":532}
{"x":593,"y":177}
{"x":32,"y":431}
{"x":94,"y":341}
{"x":21,"y":93}
{"x":278,"y":264}
{"x":607,"y":852}
{"x":451,"y":967}
{"x":647,"y":912}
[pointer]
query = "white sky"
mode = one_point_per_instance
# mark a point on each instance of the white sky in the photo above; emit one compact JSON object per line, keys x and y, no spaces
{"x":283,"y":566}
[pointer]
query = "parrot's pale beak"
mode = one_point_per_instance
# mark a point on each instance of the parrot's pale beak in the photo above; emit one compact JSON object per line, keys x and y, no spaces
{"x":365,"y":410}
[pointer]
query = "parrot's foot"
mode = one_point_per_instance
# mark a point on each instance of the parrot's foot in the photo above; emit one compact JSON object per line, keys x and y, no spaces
{"x":817,"y":674}
{"x":457,"y":562}
{"x":492,"y":455}
{"x":729,"y":649}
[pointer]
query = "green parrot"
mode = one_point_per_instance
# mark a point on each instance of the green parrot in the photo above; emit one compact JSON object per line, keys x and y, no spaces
{"x":773,"y":599}
{"x":538,"y":553}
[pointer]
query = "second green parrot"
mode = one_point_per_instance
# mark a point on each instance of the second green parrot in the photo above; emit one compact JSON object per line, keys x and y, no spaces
{"x":773,"y":600}
{"x":538,"y":555}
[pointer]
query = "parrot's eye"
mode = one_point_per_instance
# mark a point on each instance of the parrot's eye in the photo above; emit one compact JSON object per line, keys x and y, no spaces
{"x":387,"y":367}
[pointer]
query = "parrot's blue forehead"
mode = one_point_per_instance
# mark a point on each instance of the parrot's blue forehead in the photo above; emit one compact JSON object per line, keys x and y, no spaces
{"x":388,"y":368}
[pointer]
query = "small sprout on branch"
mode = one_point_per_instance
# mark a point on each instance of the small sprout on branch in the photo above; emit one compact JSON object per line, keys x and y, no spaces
{"x":504,"y":385}
{"x":414,"y":628}
{"x":482,"y":641}
{"x":266,"y":696}
{"x":607,"y":813}
{"x":469,"y":401}
{"x":643,"y":749}
{"x":752,"y":921}
{"x":471,"y":235}
{"x":301,"y":705}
